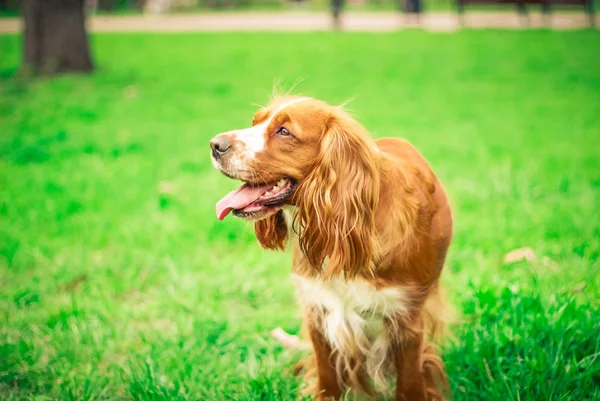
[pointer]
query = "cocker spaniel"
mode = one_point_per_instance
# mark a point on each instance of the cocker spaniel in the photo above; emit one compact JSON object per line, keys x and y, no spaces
{"x":370,"y":226}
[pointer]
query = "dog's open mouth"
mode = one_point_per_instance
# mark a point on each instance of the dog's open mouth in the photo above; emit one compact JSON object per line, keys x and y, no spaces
{"x":253,"y":201}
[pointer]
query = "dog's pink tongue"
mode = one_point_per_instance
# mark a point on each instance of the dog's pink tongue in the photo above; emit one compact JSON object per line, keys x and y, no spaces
{"x":239,"y":199}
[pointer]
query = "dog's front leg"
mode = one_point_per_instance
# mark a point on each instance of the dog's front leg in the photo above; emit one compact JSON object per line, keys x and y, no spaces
{"x":410,"y":385}
{"x":329,"y":388}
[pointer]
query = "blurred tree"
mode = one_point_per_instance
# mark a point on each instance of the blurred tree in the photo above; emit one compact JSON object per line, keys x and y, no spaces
{"x":55,"y":39}
{"x":137,"y":4}
{"x":336,"y":9}
{"x":106,"y":5}
{"x":9,"y":5}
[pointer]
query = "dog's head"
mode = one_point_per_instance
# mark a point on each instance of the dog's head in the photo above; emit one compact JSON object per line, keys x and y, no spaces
{"x":303,"y":152}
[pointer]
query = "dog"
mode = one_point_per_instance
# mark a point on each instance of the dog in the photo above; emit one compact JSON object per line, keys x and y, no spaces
{"x":370,"y":226}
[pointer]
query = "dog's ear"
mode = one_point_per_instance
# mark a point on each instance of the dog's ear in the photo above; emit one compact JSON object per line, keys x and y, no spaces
{"x":272,"y":232}
{"x":337,"y":200}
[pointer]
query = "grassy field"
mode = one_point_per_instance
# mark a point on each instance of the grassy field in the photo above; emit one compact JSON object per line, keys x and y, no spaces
{"x":117,"y":282}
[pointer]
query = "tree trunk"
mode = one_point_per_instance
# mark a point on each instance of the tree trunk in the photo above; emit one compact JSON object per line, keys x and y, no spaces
{"x":106,"y":5}
{"x":9,"y":5}
{"x":137,"y":4}
{"x":55,"y":40}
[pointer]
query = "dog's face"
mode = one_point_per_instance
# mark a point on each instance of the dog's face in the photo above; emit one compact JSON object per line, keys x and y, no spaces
{"x":271,"y":157}
{"x":307,"y":153}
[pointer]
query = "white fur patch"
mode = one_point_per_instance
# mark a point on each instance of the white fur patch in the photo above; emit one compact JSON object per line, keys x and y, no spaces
{"x":253,"y":138}
{"x":353,"y":315}
{"x":288,"y":216}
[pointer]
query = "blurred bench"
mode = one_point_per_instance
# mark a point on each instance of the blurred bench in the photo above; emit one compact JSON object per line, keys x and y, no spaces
{"x":521,"y":5}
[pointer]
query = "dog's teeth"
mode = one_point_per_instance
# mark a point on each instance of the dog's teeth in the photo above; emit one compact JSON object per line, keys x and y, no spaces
{"x":276,"y":187}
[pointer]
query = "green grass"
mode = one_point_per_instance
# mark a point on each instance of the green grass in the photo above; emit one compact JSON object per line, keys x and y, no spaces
{"x":117,"y":282}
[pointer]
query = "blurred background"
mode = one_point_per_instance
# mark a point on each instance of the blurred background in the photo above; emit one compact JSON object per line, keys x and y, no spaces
{"x":12,"y":7}
{"x":117,"y":281}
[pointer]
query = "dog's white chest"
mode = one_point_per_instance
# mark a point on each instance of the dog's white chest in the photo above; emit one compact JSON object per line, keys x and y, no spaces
{"x":347,"y":298}
{"x":353,"y":316}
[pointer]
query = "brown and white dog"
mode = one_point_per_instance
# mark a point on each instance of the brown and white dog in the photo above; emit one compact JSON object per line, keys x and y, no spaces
{"x":370,"y":226}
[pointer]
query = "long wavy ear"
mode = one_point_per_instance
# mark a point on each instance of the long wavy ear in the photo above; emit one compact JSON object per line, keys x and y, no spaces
{"x":272,"y":232}
{"x":337,"y":200}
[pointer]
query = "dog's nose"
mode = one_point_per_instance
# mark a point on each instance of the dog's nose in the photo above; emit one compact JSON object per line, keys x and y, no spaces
{"x":219,"y":145}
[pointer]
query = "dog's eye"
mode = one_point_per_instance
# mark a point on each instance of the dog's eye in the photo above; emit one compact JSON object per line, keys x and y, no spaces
{"x":283,"y":132}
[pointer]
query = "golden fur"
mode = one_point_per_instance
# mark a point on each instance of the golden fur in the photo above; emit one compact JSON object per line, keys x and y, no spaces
{"x":368,"y":216}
